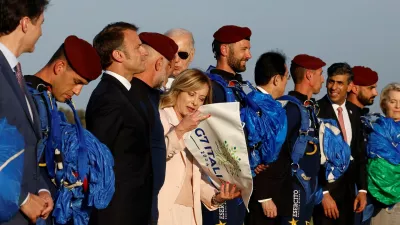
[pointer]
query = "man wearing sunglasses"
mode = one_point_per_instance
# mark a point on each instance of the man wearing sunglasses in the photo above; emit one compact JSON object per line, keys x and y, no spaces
{"x":231,"y":47}
{"x":184,"y":39}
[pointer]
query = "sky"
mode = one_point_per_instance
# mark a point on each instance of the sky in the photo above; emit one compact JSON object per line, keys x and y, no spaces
{"x":359,"y":32}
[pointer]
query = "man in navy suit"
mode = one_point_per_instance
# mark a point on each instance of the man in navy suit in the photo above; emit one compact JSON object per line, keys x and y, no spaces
{"x":20,"y":29}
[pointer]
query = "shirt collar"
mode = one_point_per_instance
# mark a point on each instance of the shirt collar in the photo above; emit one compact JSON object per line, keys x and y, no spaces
{"x":10,"y":57}
{"x":336,"y":106}
{"x":121,"y":79}
{"x":262,"y":90}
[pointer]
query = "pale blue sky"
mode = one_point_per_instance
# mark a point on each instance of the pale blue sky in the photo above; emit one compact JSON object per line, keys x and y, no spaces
{"x":362,"y":32}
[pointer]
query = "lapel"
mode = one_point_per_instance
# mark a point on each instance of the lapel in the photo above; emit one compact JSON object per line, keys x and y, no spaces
{"x":136,"y":104}
{"x":327,"y":111}
{"x":173,"y":122}
{"x":12,"y":81}
{"x":353,"y":121}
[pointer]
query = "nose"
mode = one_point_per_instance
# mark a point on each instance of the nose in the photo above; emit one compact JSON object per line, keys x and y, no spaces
{"x":77,"y":89}
{"x":249,"y":55}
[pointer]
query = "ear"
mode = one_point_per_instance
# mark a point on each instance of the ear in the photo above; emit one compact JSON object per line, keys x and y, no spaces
{"x":350,"y":86}
{"x":224,"y":49}
{"x":118,"y":55}
{"x":59,"y":67}
{"x":24,"y":22}
{"x":191,"y":55}
{"x":159,"y":64}
{"x":355,"y":89}
{"x":308,"y":75}
{"x":276,"y":80}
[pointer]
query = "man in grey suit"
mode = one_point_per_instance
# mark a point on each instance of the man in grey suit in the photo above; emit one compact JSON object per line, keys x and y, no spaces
{"x":20,"y":28}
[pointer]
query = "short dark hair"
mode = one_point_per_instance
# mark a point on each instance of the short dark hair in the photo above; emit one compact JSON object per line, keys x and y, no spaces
{"x":216,"y":48}
{"x":341,"y":69}
{"x":12,"y":11}
{"x":297,"y":73}
{"x":109,"y":39}
{"x":268,"y":65}
{"x":59,"y":54}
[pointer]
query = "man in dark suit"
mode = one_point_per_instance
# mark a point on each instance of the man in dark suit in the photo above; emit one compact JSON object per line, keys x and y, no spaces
{"x":114,"y":119}
{"x":341,"y":198}
{"x":145,"y":92}
{"x":20,"y":28}
{"x":271,"y":75}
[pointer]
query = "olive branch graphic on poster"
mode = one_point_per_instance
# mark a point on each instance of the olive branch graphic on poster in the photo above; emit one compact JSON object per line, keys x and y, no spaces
{"x":226,"y":156}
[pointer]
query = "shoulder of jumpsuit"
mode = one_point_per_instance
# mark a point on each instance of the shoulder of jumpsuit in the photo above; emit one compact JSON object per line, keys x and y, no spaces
{"x":36,"y":82}
{"x":227,"y":76}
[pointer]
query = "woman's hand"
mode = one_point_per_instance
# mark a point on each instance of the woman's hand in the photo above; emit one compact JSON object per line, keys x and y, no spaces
{"x":190,"y":122}
{"x":227,"y":192}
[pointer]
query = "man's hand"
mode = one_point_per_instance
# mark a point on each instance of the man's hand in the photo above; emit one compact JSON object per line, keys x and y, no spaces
{"x":33,"y":207}
{"x":361,"y":201}
{"x":49,"y":204}
{"x":269,"y":208}
{"x":260,"y":168}
{"x":330,"y":208}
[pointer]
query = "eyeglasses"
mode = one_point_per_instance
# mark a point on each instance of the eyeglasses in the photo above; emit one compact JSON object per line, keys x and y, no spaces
{"x":183,"y":55}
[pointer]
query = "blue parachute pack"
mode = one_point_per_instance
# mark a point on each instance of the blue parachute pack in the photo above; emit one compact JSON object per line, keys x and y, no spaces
{"x":385,"y":143}
{"x":79,"y":165}
{"x":264,"y":120}
{"x":336,"y":152}
{"x":11,"y":169}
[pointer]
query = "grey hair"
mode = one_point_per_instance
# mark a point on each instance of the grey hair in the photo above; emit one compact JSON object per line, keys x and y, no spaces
{"x":178,"y":32}
{"x":385,"y":94}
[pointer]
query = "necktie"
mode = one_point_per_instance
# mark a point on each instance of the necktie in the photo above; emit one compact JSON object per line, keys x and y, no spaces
{"x":341,"y":123}
{"x":18,"y":74}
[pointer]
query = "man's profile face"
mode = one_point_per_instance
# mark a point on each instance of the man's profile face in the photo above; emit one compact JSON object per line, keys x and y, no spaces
{"x":239,"y":54}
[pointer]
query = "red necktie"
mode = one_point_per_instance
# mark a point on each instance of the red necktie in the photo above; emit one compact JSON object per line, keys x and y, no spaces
{"x":341,"y":123}
{"x":18,"y":74}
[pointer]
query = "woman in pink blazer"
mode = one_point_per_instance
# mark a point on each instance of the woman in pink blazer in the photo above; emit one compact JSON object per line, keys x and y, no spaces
{"x":185,"y":187}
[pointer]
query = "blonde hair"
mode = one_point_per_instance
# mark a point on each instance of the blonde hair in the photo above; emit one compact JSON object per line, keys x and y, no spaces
{"x":385,"y":94}
{"x":188,"y":80}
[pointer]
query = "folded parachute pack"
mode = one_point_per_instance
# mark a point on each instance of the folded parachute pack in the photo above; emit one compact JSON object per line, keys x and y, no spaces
{"x":266,"y":125}
{"x":79,"y":165}
{"x":11,"y":169}
{"x":383,"y":152}
{"x":335,"y":152}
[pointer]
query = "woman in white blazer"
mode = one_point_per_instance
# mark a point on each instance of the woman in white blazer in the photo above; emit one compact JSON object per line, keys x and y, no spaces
{"x":185,"y":187}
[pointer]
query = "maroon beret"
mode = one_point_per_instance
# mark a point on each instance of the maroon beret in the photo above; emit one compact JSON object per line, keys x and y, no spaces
{"x":308,"y":62}
{"x":364,"y":76}
{"x":231,"y":34}
{"x":82,"y":57}
{"x":161,"y":43}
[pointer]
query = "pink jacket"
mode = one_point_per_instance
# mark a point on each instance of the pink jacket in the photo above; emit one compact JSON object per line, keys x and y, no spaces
{"x":175,"y":174}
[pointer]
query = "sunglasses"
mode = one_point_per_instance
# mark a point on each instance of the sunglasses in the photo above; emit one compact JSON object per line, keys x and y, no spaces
{"x":183,"y":55}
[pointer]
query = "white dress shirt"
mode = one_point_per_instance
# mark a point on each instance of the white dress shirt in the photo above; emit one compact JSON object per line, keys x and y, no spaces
{"x":120,"y":78}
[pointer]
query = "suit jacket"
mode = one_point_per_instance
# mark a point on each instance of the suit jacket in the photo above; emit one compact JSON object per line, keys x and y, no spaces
{"x":175,"y":174}
{"x":112,"y":117}
{"x":356,"y":173}
{"x":13,"y":106}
